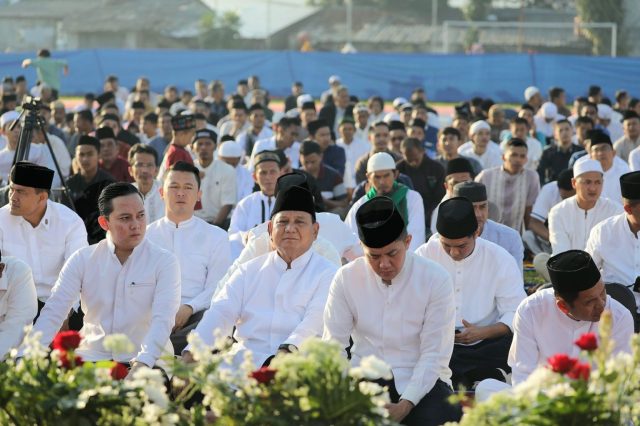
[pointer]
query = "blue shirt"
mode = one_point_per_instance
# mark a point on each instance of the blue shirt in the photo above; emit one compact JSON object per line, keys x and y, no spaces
{"x":335,"y":157}
{"x":505,"y":237}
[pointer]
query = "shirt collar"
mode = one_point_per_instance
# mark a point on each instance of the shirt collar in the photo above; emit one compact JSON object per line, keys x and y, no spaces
{"x":112,"y":246}
{"x":183,"y":224}
{"x":45,"y":222}
{"x":402,"y":276}
{"x":298,"y":263}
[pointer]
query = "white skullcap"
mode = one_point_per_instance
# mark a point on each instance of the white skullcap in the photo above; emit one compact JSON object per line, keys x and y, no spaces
{"x":605,"y":112}
{"x":8,"y":118}
{"x":549,"y":110}
{"x":391,"y":116}
{"x":479,"y":125}
{"x":406,"y":105}
{"x":361,"y":108}
{"x":530,"y":92}
{"x":585,"y":166}
{"x":292,"y":113}
{"x":230,"y":149}
{"x":334,"y":79}
{"x":380,"y":161}
{"x":300,"y":100}
{"x":399,"y":101}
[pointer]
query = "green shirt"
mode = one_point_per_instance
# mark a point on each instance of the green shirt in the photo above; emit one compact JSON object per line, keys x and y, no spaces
{"x":48,"y":70}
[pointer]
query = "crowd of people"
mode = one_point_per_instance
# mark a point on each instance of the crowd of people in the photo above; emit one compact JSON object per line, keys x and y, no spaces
{"x":396,"y":231}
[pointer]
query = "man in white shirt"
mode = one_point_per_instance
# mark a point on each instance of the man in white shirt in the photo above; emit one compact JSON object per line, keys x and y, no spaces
{"x":549,"y":321}
{"x":520,"y":130}
{"x":218,"y":182}
{"x":382,"y":174}
{"x":231,"y":153}
{"x":285,"y":139}
{"x":631,"y":139}
{"x":354,"y":148}
{"x":400,"y":308}
{"x":274,"y":301}
{"x":202,"y":249}
{"x":36,"y":230}
{"x":257,"y":131}
{"x":7,"y":154}
{"x":481,"y":147}
{"x":512,"y":187}
{"x":489,"y":230}
{"x":571,"y":221}
{"x":487,"y":286}
{"x":614,"y":244}
{"x":143,"y":160}
{"x":536,"y":238}
{"x":18,"y":302}
{"x":601,"y":149}
{"x":256,"y":208}
{"x":546,"y":118}
{"x":125,"y":283}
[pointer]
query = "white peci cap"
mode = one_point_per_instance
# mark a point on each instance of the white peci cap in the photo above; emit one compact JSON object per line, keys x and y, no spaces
{"x":397,"y":102}
{"x":585,"y":166}
{"x":605,"y":112}
{"x":479,"y":125}
{"x":230,"y":149}
{"x":549,"y":110}
{"x":391,"y":116}
{"x":530,"y":92}
{"x":380,"y":161}
{"x":334,"y":79}
{"x":302,"y":99}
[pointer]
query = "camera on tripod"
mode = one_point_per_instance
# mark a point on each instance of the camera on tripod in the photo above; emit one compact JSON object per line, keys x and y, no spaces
{"x":32,"y":103}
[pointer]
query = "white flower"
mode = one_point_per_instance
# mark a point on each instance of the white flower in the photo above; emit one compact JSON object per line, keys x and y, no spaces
{"x":372,"y":368}
{"x":118,"y":344}
{"x":151,"y":413}
{"x":157,"y":396}
{"x":560,"y":389}
{"x":541,"y":378}
{"x":305,"y":404}
{"x":370,"y":388}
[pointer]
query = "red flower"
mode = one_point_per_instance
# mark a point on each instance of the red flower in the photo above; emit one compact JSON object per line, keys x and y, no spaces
{"x":263,"y":375}
{"x":67,"y":361}
{"x":580,"y":371}
{"x":561,"y":363}
{"x":119,"y":371}
{"x":66,"y":340}
{"x":587,"y":342}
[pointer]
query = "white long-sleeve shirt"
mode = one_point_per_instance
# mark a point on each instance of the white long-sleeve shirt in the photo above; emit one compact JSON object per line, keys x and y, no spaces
{"x":269,"y":144}
{"x":487,"y":284}
{"x":616,"y":251}
{"x":269,"y":304}
{"x":492,"y":157}
{"x":18,"y":302}
{"x":541,"y":330}
{"x":153,"y":203}
{"x":218,"y":189}
{"x":251,"y":211}
{"x":244,"y":182}
{"x":139,"y":298}
{"x":415,"y":210}
{"x":203,"y":252}
{"x":353,"y":151}
{"x":408,"y":324}
{"x":569,"y":225}
{"x":46,"y":247}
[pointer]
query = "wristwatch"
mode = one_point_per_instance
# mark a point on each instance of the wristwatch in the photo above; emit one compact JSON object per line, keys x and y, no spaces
{"x":288,"y":347}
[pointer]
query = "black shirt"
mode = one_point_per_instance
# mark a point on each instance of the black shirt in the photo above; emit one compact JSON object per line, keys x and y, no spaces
{"x":428,"y":181}
{"x":553,"y":161}
{"x":85,"y":198}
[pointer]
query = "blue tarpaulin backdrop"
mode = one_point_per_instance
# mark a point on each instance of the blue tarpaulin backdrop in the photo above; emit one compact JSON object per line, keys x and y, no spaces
{"x":447,"y":78}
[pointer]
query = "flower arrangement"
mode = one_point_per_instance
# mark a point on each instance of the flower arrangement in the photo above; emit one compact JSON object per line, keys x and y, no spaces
{"x":596,"y":388}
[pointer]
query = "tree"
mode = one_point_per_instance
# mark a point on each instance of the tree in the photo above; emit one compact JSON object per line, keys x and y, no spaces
{"x":219,"y":31}
{"x":476,"y":10}
{"x":590,"y":11}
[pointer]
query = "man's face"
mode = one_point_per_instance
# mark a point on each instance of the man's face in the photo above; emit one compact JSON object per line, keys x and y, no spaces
{"x":589,"y":111}
{"x":604,"y":153}
{"x":375,"y":107}
{"x":180,"y":193}
{"x":242,"y":89}
{"x":362,"y":117}
{"x":462,"y":126}
{"x":455,"y":178}
{"x":527,"y":115}
{"x":108,"y":149}
{"x":323,"y":137}
{"x":632,"y":208}
{"x":563,"y":133}
{"x":496,"y":115}
{"x":382,"y":180}
{"x":449,"y":144}
{"x":81,"y":125}
{"x":311,"y":163}
{"x":515,"y":158}
{"x":459,"y":248}
{"x":266,"y":175}
{"x":581,"y":131}
{"x":58,"y":115}
{"x":481,"y":138}
{"x":416,"y":132}
{"x":144,"y":168}
{"x":165,"y":125}
{"x":127,"y":222}
{"x":24,"y":200}
{"x":183,"y":137}
{"x":520,"y":131}
{"x":380,"y":138}
{"x":395,"y":139}
{"x":87,"y":157}
{"x":308,"y":115}
{"x":420,"y":113}
{"x":296,"y":90}
{"x":347,"y":130}
{"x":588,"y":186}
{"x":343,"y":98}
{"x":293,"y":232}
{"x":588,"y":306}
{"x":631,"y":128}
{"x":148,"y":127}
{"x":257,"y":119}
{"x":413,"y":156}
{"x":287,"y":135}
{"x":115,"y":126}
{"x":239,"y":116}
{"x":481,"y":209}
{"x":387,"y":261}
{"x":204,"y":148}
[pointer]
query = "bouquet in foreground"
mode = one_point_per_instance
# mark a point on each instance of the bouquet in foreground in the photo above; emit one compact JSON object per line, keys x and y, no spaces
{"x":595,"y":388}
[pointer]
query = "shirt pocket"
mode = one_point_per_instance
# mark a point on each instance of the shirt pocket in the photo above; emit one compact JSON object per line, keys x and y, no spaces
{"x":141,"y":292}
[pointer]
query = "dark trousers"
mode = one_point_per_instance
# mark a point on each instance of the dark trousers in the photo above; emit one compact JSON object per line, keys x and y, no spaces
{"x":433,"y":409}
{"x":75,"y":318}
{"x":470,"y":364}
{"x":179,"y":338}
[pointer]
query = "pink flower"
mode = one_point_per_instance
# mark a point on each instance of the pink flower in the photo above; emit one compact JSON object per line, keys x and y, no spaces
{"x":580,"y":371}
{"x":561,"y":363}
{"x":587,"y":342}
